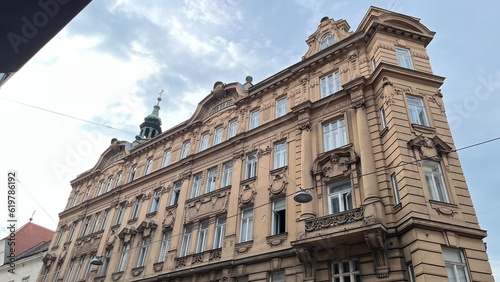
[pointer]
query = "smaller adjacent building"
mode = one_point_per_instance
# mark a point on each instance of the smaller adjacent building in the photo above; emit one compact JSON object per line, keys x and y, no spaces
{"x":31,"y":244}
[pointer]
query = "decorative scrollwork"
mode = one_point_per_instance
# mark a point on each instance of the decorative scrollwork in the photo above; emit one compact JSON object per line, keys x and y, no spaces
{"x":332,"y":220}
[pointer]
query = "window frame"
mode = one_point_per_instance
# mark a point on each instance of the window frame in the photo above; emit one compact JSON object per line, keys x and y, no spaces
{"x":383,"y":119}
{"x":436,"y":193}
{"x":254,"y":119}
{"x":137,"y":208}
{"x":211,"y":180}
{"x":186,"y":241}
{"x":330,"y":84}
{"x":166,"y":239}
{"x":87,"y":193}
{"x":132,"y":173}
{"x":395,"y":188}
{"x":185,"y":149}
{"x":204,"y":141}
{"x":281,"y":107}
{"x":342,"y":195}
{"x":201,"y":243}
{"x":196,"y":186}
{"x":122,"y":263}
{"x":251,"y":165}
{"x":155,"y":202}
{"x":455,"y":264}
{"x":403,"y":56}
{"x":335,"y":131}
{"x":105,"y":262}
{"x":218,"y":132}
{"x":108,"y":185}
{"x":280,"y":156}
{"x":149,"y":166}
{"x":232,"y":128}
{"x":95,"y":224}
{"x":326,"y":41}
{"x":354,"y":272}
{"x":220,"y":231}
{"x":278,"y":216}
{"x":120,"y":213}
{"x":246,"y":225}
{"x":417,"y":111}
{"x":166,"y":158}
{"x":118,"y":179}
{"x":176,"y":191}
{"x":105,"y":219}
{"x":99,"y":188}
{"x":74,"y":200}
{"x":227,"y":174}
{"x":143,"y":252}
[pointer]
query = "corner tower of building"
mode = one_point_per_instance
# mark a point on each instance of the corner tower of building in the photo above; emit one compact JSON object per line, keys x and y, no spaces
{"x":151,"y":126}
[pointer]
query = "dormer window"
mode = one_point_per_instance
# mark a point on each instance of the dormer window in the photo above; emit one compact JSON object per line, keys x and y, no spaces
{"x":326,"y":41}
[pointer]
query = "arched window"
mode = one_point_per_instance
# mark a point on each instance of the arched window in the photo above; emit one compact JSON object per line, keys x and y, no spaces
{"x":326,"y":41}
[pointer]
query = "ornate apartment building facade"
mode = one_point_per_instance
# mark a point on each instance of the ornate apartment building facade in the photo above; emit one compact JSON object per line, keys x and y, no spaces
{"x":358,"y":124}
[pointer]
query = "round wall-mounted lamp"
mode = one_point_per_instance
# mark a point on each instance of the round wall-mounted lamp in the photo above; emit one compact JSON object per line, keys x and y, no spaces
{"x":96,"y":261}
{"x":302,"y":197}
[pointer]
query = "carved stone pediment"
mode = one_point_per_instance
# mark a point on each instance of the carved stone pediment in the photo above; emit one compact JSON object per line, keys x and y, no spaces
{"x":335,"y":163}
{"x":247,"y":195}
{"x":430,"y":148}
{"x":211,"y":203}
{"x":169,"y":220}
{"x":146,"y":228}
{"x":127,"y":234}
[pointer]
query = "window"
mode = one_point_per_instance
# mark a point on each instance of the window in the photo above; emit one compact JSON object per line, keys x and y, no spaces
{"x":246,"y":225}
{"x":119,"y":215}
{"x":404,"y":58}
{"x":175,"y":193}
{"x":123,"y":257}
{"x":137,"y":207}
{"x":156,"y":201}
{"x":254,"y":119}
{"x":104,"y":220}
{"x":87,"y":193}
{"x":251,"y":165}
{"x":326,"y":41}
{"x":96,"y":222}
{"x":382,"y":118}
{"x":279,"y":154}
{"x":89,"y":268}
{"x":72,"y":232}
{"x":149,"y":166}
{"x":132,"y":173}
{"x":186,"y":240}
{"x":185,"y":150}
{"x":281,"y":107}
{"x":334,"y":135}
{"x":70,"y":271}
{"x":374,"y":64}
{"x":58,"y":271}
{"x":202,"y":237}
{"x":339,"y":197}
{"x":166,"y":158}
{"x":417,"y":111}
{"x":435,"y":181}
{"x":395,"y":188}
{"x":195,"y":190}
{"x":108,"y":186}
{"x":227,"y":171}
{"x":105,"y":262}
{"x":330,"y":84}
{"x":220,"y":231}
{"x":455,"y":265}
{"x":60,"y":234}
{"x":346,"y":271}
{"x":118,"y":179}
{"x":143,"y":252}
{"x":165,"y":246}
{"x":218,"y":135}
{"x":75,"y":199}
{"x":211,"y":178}
{"x":411,"y":273}
{"x":85,"y":227}
{"x":277,"y":277}
{"x":279,"y":217}
{"x":204,"y":141}
{"x":99,"y":188}
{"x":232,"y":128}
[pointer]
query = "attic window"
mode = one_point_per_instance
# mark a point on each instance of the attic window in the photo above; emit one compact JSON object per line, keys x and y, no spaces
{"x":222,"y":106}
{"x":326,"y":41}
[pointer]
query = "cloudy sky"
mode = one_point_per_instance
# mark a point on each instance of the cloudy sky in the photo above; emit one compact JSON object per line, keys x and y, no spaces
{"x":109,"y":64}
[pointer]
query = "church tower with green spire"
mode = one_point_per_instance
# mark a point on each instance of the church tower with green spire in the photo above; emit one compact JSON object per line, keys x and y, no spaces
{"x":151,"y":126}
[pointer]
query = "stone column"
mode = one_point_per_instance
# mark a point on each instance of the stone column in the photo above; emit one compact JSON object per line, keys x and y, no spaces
{"x":307,"y":209}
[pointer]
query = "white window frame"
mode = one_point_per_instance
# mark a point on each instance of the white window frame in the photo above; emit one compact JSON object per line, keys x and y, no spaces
{"x":211,"y":180}
{"x":123,"y":257}
{"x":143,"y":252}
{"x":334,"y":134}
{"x":166,"y":158}
{"x":57,"y":272}
{"x":279,"y":216}
{"x":327,"y":40}
{"x":435,"y":181}
{"x":246,"y":225}
{"x":72,"y":232}
{"x":156,"y":201}
{"x":453,"y":266}
{"x":62,"y":230}
{"x":254,"y":119}
{"x":403,"y":56}
{"x":374,"y":64}
{"x":204,"y":141}
{"x":218,"y":135}
{"x":341,"y":191}
{"x":95,"y":224}
{"x":330,"y":84}
{"x":280,"y":154}
{"x":395,"y":188}
{"x":85,"y":226}
{"x":104,"y":221}
{"x":186,"y":241}
{"x":87,"y":193}
{"x":74,"y":200}
{"x":411,"y":272}
{"x":149,"y":166}
{"x":185,"y":149}
{"x":227,"y":174}
{"x":383,"y":119}
{"x":131,"y":176}
{"x":201,"y":245}
{"x":281,"y":106}
{"x":165,"y":245}
{"x":251,"y":165}
{"x":137,"y":208}
{"x":119,"y":215}
{"x":416,"y":107}
{"x":108,"y":185}
{"x":220,"y":231}
{"x":232,"y":128}
{"x":79,"y":269}
{"x":118,"y":179}
{"x":176,"y":193}
{"x":70,"y":270}
{"x":338,"y":271}
{"x":105,"y":262}
{"x":196,"y":187}
{"x":99,"y":188}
